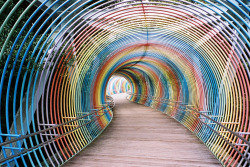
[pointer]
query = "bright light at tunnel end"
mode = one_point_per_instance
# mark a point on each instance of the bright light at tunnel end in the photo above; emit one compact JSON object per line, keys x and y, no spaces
{"x":116,"y":85}
{"x":60,"y":61}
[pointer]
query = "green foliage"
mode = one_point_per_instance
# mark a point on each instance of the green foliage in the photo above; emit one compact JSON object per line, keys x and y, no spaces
{"x":27,"y":60}
{"x":6,"y":30}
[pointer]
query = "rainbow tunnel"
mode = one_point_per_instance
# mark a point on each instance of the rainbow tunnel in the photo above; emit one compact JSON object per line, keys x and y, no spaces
{"x":186,"y":58}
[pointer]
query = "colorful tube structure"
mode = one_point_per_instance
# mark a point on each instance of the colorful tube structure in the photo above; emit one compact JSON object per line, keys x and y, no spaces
{"x":186,"y":58}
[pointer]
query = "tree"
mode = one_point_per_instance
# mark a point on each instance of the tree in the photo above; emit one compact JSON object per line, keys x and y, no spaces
{"x":25,"y":68}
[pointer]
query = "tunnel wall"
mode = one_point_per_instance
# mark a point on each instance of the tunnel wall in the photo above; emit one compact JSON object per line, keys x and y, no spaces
{"x":187,"y":58}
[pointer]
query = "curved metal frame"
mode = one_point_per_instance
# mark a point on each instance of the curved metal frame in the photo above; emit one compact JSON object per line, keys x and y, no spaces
{"x":173,"y":54}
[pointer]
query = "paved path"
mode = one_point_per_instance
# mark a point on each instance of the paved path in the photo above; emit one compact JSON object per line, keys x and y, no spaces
{"x":140,"y":136}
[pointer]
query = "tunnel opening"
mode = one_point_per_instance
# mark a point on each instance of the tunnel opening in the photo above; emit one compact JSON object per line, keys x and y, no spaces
{"x":117,"y":84}
{"x":160,"y":72}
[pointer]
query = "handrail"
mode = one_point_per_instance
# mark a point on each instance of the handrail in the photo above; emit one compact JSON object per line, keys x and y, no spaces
{"x":111,"y":102}
{"x":242,"y":142}
{"x":107,"y":108}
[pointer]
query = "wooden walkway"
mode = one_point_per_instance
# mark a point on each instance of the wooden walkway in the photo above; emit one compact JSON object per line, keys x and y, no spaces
{"x":140,"y":136}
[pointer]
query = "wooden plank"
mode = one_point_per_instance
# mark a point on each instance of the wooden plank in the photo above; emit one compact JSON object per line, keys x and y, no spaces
{"x":140,"y":136}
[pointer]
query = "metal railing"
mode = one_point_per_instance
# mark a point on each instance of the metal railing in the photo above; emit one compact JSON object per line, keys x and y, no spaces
{"x":205,"y":123}
{"x":96,"y":113}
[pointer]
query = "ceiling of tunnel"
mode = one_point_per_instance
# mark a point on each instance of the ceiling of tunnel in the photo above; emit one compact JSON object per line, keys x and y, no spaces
{"x":59,"y":60}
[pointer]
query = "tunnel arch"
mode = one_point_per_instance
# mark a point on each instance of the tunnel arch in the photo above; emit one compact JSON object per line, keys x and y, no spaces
{"x":187,"y":58}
